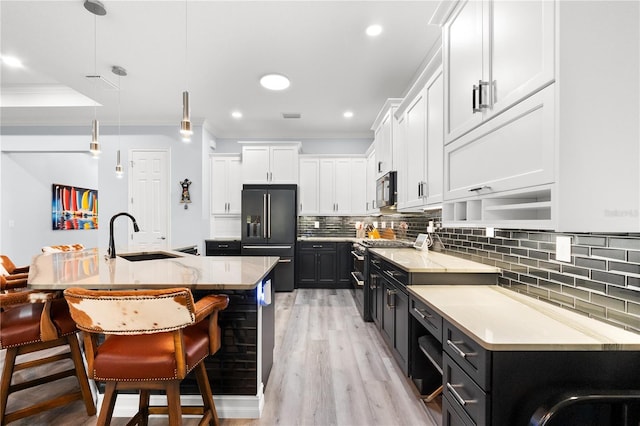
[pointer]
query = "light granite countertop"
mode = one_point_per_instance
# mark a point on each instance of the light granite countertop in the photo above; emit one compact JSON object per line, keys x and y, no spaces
{"x":412,"y":260}
{"x":502,"y":320}
{"x":330,"y":239}
{"x":90,"y":268}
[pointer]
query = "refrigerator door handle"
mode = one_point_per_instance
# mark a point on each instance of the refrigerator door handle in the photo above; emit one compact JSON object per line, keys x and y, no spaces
{"x":264,"y":215}
{"x":269,"y":216}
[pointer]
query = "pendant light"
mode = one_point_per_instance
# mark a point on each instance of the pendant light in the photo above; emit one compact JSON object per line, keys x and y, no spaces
{"x":97,"y":9}
{"x":185,"y":124}
{"x":120,"y":72}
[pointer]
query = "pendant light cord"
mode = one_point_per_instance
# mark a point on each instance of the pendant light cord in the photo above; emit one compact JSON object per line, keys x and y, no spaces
{"x":186,"y":44}
{"x":95,"y":65}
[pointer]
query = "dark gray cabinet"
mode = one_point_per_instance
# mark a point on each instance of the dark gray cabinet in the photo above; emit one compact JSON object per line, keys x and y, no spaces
{"x":222,"y":247}
{"x":394,"y":324}
{"x":324,"y":264}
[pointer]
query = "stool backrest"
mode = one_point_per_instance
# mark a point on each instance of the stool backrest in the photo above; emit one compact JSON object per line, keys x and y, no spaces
{"x":131,"y":311}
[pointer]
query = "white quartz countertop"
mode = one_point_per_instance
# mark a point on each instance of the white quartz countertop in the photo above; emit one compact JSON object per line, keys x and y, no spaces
{"x":502,"y":320}
{"x":412,"y":260}
{"x":91,"y":269}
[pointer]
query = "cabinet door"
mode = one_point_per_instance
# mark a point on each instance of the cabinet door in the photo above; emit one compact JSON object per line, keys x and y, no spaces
{"x":309,"y":186}
{"x":342,"y":186}
{"x":435,"y":140}
{"x":327,"y":174}
{"x":387,"y":320}
{"x":306,"y":265}
{"x":401,"y":328}
{"x":522,"y":50}
{"x":416,"y":137}
{"x":384,"y":144}
{"x":371,"y":183}
{"x":326,"y":266}
{"x":513,"y":151}
{"x":358,"y":186}
{"x":255,"y":164}
{"x":343,"y":275}
{"x":375,"y":290}
{"x":218,"y":185}
{"x":283,"y":164}
{"x":234,"y":185}
{"x":463,"y":64}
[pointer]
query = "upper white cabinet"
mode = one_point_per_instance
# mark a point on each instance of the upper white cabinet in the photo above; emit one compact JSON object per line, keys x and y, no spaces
{"x":420,"y":141}
{"x":557,"y":156}
{"x":372,"y":174}
{"x":385,"y":127}
{"x":271,"y":163}
{"x":226,"y":184}
{"x":496,"y":53}
{"x":332,"y":185}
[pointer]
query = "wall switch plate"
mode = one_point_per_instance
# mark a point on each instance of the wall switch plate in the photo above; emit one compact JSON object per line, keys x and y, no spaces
{"x":563,"y":248}
{"x":430,"y":227}
{"x":316,"y":224}
{"x":490,"y":232}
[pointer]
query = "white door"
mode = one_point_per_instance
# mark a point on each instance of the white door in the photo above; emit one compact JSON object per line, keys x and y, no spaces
{"x":149,"y":198}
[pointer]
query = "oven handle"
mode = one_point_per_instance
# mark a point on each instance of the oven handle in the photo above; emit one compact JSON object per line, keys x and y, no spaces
{"x":359,"y":282}
{"x":357,"y":256}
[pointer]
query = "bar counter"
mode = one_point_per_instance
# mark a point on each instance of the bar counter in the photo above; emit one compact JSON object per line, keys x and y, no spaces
{"x":239,"y":371}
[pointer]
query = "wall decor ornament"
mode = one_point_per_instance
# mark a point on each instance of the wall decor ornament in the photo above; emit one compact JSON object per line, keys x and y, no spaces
{"x":186,"y":197}
{"x":73,"y":207}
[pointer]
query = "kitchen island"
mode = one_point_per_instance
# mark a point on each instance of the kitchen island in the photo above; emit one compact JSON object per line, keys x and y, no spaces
{"x":504,"y":354}
{"x":240,"y":369}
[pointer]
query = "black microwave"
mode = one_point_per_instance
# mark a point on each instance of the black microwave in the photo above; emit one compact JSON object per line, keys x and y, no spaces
{"x":386,"y":190}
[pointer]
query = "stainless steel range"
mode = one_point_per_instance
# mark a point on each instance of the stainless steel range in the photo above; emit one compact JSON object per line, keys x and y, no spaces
{"x":360,"y":269}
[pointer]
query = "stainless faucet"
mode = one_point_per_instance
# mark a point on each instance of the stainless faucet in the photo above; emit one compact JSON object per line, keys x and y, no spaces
{"x":112,"y":245}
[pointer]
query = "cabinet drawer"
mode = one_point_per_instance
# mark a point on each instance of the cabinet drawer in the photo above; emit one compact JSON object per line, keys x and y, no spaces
{"x":426,"y":316}
{"x":451,"y":417}
{"x":317,"y":245}
{"x":217,"y":248}
{"x":472,"y":357}
{"x":463,"y":393}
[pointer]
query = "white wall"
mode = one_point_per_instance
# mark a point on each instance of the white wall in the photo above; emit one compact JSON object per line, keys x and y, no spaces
{"x":308,"y":146}
{"x":34,"y":158}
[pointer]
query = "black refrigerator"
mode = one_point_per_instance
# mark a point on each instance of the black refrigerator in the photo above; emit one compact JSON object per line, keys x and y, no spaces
{"x":269,"y":228}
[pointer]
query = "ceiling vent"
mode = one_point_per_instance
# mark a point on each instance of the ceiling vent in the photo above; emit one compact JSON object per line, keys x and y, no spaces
{"x":291,"y":115}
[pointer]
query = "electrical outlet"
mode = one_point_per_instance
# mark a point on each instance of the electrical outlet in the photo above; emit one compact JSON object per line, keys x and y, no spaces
{"x":316,"y":224}
{"x":563,"y":248}
{"x":430,"y":227}
{"x":490,"y":232}
{"x":375,"y":224}
{"x":384,"y":225}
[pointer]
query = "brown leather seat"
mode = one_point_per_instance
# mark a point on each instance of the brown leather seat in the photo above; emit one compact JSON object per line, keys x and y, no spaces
{"x":31,"y":322}
{"x":154,"y":339}
{"x":13,"y":272}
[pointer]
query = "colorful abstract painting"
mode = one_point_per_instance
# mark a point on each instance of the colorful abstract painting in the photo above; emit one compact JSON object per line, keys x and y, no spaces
{"x":74,"y":208}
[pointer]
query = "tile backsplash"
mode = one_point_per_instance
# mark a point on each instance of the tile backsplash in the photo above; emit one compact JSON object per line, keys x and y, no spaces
{"x":602,"y":280}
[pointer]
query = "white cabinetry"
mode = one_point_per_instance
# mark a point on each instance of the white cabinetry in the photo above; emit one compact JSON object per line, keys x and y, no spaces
{"x":226,"y":185}
{"x":270,"y":162}
{"x":564,"y":158}
{"x":372,"y":174}
{"x":496,"y":53}
{"x":332,"y":185}
{"x":420,"y":121}
{"x":385,"y":127}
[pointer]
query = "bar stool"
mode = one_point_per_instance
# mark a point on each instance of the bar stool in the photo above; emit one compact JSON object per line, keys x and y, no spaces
{"x":154,"y":338}
{"x":31,"y":322}
{"x":12,"y":271}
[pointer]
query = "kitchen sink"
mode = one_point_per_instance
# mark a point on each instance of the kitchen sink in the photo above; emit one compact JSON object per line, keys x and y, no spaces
{"x":149,"y":255}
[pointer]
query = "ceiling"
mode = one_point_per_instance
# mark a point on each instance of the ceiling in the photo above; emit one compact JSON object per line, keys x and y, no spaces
{"x":218,"y":51}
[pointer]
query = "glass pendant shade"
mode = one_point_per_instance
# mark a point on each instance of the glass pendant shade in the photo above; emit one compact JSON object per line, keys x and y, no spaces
{"x":94,"y":146}
{"x":185,"y":124}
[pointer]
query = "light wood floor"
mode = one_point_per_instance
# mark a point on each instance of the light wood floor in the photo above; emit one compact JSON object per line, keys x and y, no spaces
{"x":331,"y":368}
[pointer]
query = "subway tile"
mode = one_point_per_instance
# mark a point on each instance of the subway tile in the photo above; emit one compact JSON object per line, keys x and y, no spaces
{"x":529,"y":244}
{"x":568,"y":269}
{"x":580,"y":251}
{"x":540,"y":292}
{"x":511,"y":243}
{"x":608,"y":302}
{"x":550,"y":285}
{"x":541,"y":255}
{"x":591,"y":263}
{"x":625,"y":243}
{"x":562,"y":298}
{"x":549,"y":266}
{"x":546,"y":237}
{"x":634,"y":256}
{"x":502,"y":233}
{"x":629,"y":268}
{"x":529,"y":262}
{"x":608,"y":253}
{"x":503,"y":281}
{"x":547,"y":246}
{"x":528,"y":279}
{"x":510,"y":275}
{"x":575,"y":292}
{"x":496,"y":256}
{"x":591,"y":285}
{"x":631,"y":321}
{"x":502,"y":265}
{"x":520,"y":235}
{"x":489,"y":247}
{"x":624,"y":293}
{"x":520,"y":252}
{"x":565,"y":279}
{"x":608,"y":278}
{"x":633,"y":308}
{"x":633,"y":282}
{"x":590,"y":308}
{"x":503,"y":249}
{"x":511,"y":259}
{"x":539,"y":273}
{"x":590,"y":240}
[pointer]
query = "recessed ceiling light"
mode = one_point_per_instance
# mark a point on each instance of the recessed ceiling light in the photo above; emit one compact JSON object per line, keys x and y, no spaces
{"x":348,"y":114}
{"x":11,"y":61}
{"x":274,"y":82}
{"x":374,"y":30}
{"x":236,"y":114}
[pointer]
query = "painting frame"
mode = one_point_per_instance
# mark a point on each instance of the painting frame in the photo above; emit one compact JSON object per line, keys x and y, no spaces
{"x":73,"y":208}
